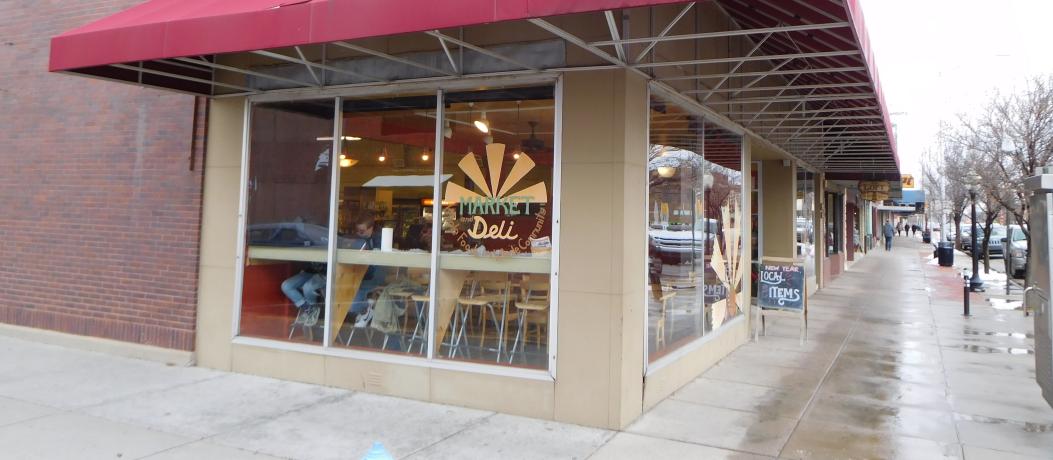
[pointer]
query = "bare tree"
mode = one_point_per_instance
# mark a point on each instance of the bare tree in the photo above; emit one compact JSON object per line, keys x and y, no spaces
{"x":944,"y":171}
{"x":1010,"y":141}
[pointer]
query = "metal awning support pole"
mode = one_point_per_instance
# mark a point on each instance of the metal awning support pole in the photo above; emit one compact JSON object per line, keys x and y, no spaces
{"x":736,"y":68}
{"x":481,"y":50}
{"x":282,"y":57}
{"x":573,"y":39}
{"x":651,"y":44}
{"x":449,"y":55}
{"x":389,"y":57}
{"x":613,"y":26}
{"x":769,"y":73}
{"x":664,"y":37}
{"x":241,"y":71}
{"x":309,"y":68}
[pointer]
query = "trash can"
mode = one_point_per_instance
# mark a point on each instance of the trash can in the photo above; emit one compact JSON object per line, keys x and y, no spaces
{"x":926,"y":236}
{"x":945,"y":252}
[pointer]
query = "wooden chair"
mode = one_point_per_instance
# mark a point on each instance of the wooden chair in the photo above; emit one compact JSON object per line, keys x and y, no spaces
{"x":664,"y":295}
{"x":421,"y":303}
{"x":498,"y":294}
{"x":472,"y":295}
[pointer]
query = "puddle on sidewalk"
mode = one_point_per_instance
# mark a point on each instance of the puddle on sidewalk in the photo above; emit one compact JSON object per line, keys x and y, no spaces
{"x":1029,"y":427}
{"x":983,"y":349}
{"x":1015,"y":335}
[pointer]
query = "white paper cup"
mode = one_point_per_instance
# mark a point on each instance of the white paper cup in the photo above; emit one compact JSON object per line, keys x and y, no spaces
{"x":387,"y":235}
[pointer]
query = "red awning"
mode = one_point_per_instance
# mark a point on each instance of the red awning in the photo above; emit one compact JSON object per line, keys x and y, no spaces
{"x":821,"y":99}
{"x":161,"y":29}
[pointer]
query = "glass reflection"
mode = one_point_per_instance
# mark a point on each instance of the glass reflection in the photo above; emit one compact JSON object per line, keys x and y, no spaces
{"x":290,"y":161}
{"x":804,"y":221}
{"x":696,"y":261}
{"x":382,"y":276}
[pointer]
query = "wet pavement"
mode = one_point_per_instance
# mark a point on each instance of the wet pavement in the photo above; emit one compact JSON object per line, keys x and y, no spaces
{"x":891,"y":369}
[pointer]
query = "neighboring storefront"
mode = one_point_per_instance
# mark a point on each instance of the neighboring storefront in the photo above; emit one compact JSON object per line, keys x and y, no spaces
{"x":517,"y":216}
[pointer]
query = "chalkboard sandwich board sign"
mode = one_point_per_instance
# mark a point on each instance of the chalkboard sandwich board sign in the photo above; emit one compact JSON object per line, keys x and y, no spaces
{"x":781,"y":286}
{"x":780,"y":292}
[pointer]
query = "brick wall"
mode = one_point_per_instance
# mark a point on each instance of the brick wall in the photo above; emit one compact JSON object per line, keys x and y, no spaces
{"x":100,"y":191}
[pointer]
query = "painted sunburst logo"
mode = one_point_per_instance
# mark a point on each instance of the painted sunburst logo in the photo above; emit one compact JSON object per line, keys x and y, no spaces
{"x":496,"y":189}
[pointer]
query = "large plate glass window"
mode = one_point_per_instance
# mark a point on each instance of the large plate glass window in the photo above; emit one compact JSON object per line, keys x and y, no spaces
{"x":834,"y":226}
{"x":694,"y":230}
{"x":722,"y":201}
{"x":287,"y":221}
{"x":496,"y":227}
{"x":677,"y":229}
{"x":804,"y":221}
{"x":384,"y":228}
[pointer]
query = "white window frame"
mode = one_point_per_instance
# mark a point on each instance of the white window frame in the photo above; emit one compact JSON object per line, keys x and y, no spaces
{"x":440,"y":88}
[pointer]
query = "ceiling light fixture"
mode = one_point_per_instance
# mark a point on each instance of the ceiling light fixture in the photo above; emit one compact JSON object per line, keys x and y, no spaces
{"x":482,"y":124}
{"x":346,"y":138}
{"x":424,"y":156}
{"x":447,"y":130}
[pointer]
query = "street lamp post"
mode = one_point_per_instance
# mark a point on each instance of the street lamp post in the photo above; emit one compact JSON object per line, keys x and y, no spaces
{"x":975,"y":283}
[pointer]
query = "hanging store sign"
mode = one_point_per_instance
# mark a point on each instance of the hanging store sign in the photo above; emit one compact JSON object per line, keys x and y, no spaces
{"x":874,"y":190}
{"x":908,"y":181}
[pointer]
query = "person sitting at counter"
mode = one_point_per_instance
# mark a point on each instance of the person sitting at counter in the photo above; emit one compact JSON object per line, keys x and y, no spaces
{"x":305,"y":289}
{"x":366,"y":237}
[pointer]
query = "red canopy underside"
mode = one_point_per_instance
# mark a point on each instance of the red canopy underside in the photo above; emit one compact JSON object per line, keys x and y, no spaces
{"x":173,"y":28}
{"x":165,"y":29}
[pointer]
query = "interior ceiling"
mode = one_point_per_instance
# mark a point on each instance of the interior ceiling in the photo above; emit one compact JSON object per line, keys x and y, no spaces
{"x":796,"y":73}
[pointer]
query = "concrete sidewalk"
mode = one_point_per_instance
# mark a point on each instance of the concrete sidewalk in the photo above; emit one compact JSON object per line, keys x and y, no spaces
{"x":891,"y":370}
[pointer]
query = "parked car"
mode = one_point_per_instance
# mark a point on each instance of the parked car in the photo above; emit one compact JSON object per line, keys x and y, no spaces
{"x":1017,"y":251}
{"x":293,"y":234}
{"x":966,"y":241}
{"x":676,"y":246}
{"x":994,"y":245}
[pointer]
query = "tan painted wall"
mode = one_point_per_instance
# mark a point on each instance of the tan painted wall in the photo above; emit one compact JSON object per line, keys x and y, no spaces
{"x":778,"y":189}
{"x":602,"y":254}
{"x":219,"y":222}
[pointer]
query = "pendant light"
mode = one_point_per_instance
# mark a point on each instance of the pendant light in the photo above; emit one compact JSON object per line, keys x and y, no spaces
{"x":482,"y":124}
{"x":447,"y":130}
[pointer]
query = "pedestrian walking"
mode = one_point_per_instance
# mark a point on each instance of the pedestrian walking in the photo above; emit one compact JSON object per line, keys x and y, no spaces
{"x":914,"y":231}
{"x":899,"y":228}
{"x":888,"y":231}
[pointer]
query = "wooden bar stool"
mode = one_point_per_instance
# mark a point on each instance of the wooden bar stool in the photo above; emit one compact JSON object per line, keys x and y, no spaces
{"x":533,"y":303}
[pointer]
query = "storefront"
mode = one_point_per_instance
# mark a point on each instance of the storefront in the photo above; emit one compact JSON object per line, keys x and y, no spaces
{"x":546,"y":217}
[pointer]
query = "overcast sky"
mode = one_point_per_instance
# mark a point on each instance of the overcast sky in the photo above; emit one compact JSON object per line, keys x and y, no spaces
{"x":938,"y":58}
